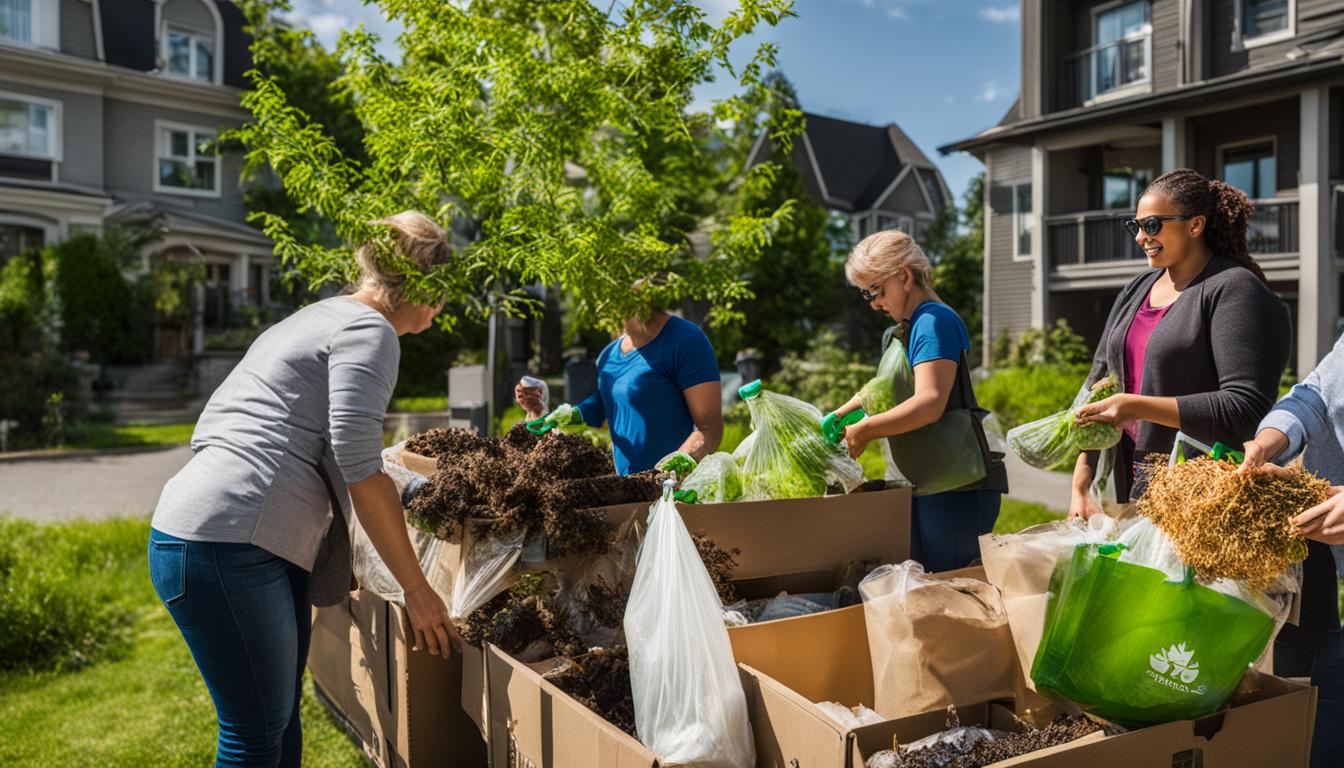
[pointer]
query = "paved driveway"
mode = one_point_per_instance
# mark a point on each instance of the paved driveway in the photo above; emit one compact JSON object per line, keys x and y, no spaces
{"x":88,"y":486}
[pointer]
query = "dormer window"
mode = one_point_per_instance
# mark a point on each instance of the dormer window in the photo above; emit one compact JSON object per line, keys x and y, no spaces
{"x":189,"y":55}
{"x":1260,"y":22}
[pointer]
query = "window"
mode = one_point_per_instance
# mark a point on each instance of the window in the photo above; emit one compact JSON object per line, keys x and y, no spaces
{"x":183,"y":165}
{"x":1251,"y":169}
{"x":1021,"y":221}
{"x":189,"y":55}
{"x":17,"y":238}
{"x":1260,"y":21}
{"x":16,"y":20}
{"x":28,"y":128}
{"x":1121,"y":187}
{"x":1121,"y":36}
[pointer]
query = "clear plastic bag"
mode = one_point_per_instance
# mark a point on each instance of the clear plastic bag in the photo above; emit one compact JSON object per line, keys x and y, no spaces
{"x":1046,"y":442}
{"x":365,"y":562}
{"x":849,"y":717}
{"x":715,"y":479}
{"x":486,"y":567}
{"x":787,"y":456}
{"x":689,"y":703}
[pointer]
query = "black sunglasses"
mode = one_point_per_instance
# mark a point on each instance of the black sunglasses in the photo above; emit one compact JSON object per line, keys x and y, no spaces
{"x":1151,"y":225}
{"x":868,"y":295}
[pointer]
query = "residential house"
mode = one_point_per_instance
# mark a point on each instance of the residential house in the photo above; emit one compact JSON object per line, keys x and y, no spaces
{"x":872,"y":175}
{"x":1114,"y":93}
{"x":107,"y":110}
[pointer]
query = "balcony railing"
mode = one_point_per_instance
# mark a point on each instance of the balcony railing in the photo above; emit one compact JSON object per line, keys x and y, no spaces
{"x":1107,"y":68}
{"x":1099,"y":237}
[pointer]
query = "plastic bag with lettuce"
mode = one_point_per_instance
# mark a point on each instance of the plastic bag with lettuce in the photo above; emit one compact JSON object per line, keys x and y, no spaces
{"x":1046,"y":442}
{"x":787,"y":456}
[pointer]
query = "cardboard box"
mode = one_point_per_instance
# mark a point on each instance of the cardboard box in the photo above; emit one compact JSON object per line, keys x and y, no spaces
{"x":824,"y":657}
{"x":794,"y":544}
{"x":403,"y":706}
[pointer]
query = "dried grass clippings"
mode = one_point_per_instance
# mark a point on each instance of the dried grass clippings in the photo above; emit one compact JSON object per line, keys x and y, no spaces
{"x":1229,"y":525}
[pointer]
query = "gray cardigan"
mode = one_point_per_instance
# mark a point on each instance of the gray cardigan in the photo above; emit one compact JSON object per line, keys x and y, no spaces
{"x":1220,"y":351}
{"x":299,"y":418}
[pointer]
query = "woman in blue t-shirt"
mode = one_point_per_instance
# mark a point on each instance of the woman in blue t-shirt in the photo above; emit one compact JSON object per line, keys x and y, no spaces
{"x":657,"y":388}
{"x":894,"y":276}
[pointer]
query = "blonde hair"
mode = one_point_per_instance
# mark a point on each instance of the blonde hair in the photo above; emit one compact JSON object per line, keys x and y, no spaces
{"x":883,"y":254}
{"x":415,"y":237}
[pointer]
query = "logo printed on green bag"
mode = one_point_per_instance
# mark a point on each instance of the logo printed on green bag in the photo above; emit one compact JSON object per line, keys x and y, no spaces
{"x":1175,"y":663}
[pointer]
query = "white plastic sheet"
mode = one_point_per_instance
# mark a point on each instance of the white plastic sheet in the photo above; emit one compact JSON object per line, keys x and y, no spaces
{"x":689,"y":703}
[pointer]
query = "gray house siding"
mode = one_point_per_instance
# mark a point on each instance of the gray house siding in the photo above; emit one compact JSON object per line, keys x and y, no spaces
{"x":130,"y":141}
{"x":1008,"y":287}
{"x":906,"y":198}
{"x":81,"y":132}
{"x":1277,"y":120}
{"x":1312,"y":16}
{"x":1166,"y":44}
{"x":77,"y":33}
{"x":1033,"y":74}
{"x":189,"y":14}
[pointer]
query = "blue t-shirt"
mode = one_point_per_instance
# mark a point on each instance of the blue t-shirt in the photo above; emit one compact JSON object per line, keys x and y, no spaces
{"x":640,"y":393}
{"x":937,"y":333}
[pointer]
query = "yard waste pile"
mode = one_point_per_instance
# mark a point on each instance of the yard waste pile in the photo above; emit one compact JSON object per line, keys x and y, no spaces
{"x":934,"y":639}
{"x":1046,"y":442}
{"x":1230,"y":525}
{"x":689,"y":704}
{"x":972,"y":747}
{"x":786,"y":456}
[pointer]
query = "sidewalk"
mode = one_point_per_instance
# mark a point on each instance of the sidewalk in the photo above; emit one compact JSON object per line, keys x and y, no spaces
{"x":91,"y":486}
{"x":1039,"y":486}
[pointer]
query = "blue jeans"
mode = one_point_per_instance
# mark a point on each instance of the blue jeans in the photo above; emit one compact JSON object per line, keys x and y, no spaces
{"x":1320,"y":656}
{"x":945,"y":528}
{"x":246,"y":618}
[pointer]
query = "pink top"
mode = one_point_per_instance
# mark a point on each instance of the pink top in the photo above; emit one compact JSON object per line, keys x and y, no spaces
{"x":1136,"y":348}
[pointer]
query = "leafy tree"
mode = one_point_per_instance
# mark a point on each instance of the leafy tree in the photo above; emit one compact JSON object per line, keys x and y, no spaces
{"x":99,"y":310}
{"x":955,"y":242}
{"x":554,"y":137}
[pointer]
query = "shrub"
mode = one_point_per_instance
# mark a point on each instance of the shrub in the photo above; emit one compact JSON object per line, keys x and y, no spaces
{"x":1021,"y":394}
{"x":59,"y":611}
{"x":1057,"y":345}
{"x":101,"y":312}
{"x":825,"y":375}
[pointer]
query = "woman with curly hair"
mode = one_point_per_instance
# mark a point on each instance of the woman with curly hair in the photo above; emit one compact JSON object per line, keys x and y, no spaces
{"x":1198,"y":342}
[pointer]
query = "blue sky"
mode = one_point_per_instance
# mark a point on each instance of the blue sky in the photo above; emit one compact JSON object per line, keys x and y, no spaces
{"x":941,"y":69}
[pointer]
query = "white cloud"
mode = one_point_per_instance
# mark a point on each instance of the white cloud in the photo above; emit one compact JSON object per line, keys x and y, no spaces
{"x":328,"y":18}
{"x":990,"y":91}
{"x":328,"y":26}
{"x":897,"y":12}
{"x":716,"y":10}
{"x":1008,"y":14}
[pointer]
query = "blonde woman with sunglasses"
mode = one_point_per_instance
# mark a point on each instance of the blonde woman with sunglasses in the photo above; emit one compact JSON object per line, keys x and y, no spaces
{"x":895,"y":277}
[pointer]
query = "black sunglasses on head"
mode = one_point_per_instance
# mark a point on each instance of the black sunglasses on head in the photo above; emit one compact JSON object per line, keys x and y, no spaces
{"x":1150,"y":225}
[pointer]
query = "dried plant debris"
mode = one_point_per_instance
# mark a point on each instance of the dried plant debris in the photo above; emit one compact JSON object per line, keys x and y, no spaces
{"x":600,"y":680}
{"x":1229,"y":525}
{"x":522,"y":480}
{"x":720,"y":563}
{"x":522,"y":619}
{"x":959,"y":747}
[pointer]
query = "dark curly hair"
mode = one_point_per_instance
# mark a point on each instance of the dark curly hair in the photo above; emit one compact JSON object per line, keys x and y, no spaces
{"x":1226,"y":211}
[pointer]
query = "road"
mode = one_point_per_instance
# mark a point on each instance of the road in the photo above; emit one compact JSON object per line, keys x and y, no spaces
{"x":93,"y":487}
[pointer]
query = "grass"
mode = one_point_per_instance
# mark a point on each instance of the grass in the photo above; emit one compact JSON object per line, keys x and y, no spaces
{"x":418,"y":404}
{"x":144,"y":706}
{"x":1015,"y":515}
{"x":102,"y":436}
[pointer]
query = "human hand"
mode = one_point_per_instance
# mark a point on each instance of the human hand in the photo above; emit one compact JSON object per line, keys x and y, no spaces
{"x":856,"y":439}
{"x":1082,"y":506}
{"x":428,"y":616}
{"x":1116,"y":409}
{"x":1325,"y":521}
{"x":530,"y":399}
{"x":1254,"y":454}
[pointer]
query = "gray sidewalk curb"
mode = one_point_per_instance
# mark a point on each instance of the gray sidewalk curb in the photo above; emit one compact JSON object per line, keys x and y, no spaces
{"x":57,"y":454}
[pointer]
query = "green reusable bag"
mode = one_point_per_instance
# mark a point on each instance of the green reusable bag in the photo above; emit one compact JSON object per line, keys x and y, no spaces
{"x":1126,"y":643}
{"x":943,"y":456}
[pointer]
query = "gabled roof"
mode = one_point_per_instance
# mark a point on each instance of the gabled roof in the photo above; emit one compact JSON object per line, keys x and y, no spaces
{"x":857,"y":162}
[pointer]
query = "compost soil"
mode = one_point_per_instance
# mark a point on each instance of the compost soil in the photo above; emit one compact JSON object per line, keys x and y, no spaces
{"x":1003,"y":746}
{"x":600,"y":680}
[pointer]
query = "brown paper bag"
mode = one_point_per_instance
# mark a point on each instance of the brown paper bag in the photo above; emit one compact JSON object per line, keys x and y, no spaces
{"x":935,"y":641}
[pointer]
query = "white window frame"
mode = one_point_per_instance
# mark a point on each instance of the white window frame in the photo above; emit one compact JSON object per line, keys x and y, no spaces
{"x":45,"y":29}
{"x":34,"y":11}
{"x":195,"y":38}
{"x":1241,"y":43}
{"x":163,"y":25}
{"x":1146,"y":34}
{"x":159,"y":127}
{"x":1017,"y":218}
{"x":1220,"y":151}
{"x":56,"y":128}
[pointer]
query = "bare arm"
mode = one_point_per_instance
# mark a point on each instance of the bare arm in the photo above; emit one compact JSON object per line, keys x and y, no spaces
{"x":706,"y":405}
{"x":933,"y":385}
{"x":1124,"y":407}
{"x":378,"y":507}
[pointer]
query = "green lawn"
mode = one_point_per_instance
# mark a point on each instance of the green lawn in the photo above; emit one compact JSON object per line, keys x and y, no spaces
{"x":1015,"y":515}
{"x":147,"y":705}
{"x":418,"y":404}
{"x":101,"y":435}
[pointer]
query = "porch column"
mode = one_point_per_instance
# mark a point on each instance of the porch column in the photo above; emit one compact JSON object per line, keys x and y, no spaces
{"x":1173,"y":143}
{"x":238,"y":285}
{"x":1316,"y":274}
{"x":1040,"y":271}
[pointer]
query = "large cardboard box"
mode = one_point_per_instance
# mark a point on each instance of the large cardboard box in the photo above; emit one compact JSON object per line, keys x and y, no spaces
{"x":824,"y":657}
{"x":403,"y":706}
{"x":795,"y":544}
